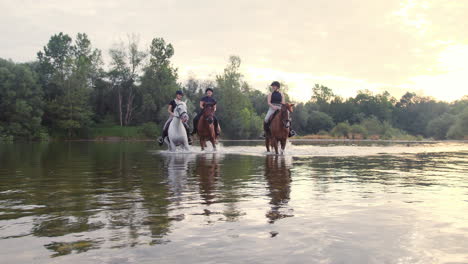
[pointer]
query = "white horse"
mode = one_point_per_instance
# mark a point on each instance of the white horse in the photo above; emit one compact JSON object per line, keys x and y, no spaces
{"x":177,"y":135}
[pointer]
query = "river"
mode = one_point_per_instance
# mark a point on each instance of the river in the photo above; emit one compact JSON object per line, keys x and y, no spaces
{"x":327,"y":202}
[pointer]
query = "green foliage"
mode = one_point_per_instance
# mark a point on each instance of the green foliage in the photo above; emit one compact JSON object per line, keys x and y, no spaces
{"x":459,"y":130}
{"x":341,"y":130}
{"x":373,"y":126}
{"x":319,"y":121}
{"x":149,"y":130}
{"x":438,"y":127}
{"x":68,"y":72}
{"x":358,"y":131}
{"x":20,"y":101}
{"x":159,"y":82}
{"x":66,"y":93}
{"x":232,"y":101}
{"x":126,"y":66}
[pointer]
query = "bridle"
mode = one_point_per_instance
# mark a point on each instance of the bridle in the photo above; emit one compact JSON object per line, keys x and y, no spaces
{"x":177,"y":110}
{"x":208,"y":116}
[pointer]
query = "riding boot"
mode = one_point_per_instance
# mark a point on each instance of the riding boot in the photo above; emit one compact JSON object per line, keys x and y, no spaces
{"x":164,"y":135}
{"x":195,"y":125}
{"x":266,"y":129}
{"x":292,"y":133}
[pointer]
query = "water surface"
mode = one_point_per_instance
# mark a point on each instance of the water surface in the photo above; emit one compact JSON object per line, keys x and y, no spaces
{"x":129,"y":202}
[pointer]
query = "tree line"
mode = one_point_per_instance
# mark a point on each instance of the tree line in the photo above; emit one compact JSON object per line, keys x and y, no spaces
{"x":68,"y":93}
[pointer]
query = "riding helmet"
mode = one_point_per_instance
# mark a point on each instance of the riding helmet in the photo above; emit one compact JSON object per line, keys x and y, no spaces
{"x":209,"y":89}
{"x":276,"y":83}
{"x":179,"y":92}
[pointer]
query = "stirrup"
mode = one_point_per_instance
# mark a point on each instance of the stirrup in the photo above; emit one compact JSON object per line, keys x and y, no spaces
{"x":190,"y":141}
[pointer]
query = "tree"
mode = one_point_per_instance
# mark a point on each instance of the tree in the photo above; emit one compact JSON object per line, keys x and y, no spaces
{"x":231,"y":100}
{"x":68,"y":72}
{"x":126,"y":64}
{"x":318,"y":121}
{"x":341,"y":130}
{"x":20,"y":101}
{"x":159,"y":82}
{"x":459,"y":130}
{"x":438,"y":127}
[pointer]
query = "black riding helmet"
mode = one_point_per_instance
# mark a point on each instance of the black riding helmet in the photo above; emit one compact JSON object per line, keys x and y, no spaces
{"x":209,"y":89}
{"x":276,"y":83}
{"x":179,"y":92}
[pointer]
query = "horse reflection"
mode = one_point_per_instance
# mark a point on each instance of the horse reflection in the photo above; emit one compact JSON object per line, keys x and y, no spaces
{"x":208,"y":172}
{"x":278,"y":177}
{"x":178,"y":166}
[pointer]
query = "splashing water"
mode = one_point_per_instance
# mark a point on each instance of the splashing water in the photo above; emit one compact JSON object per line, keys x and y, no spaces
{"x":297,"y":150}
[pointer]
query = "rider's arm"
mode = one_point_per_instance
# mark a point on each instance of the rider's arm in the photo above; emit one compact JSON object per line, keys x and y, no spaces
{"x":201,"y":104}
{"x":169,"y":108}
{"x":282,"y":99}
{"x":214,"y":108}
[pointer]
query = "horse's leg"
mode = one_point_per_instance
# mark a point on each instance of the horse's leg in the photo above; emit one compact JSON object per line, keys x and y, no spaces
{"x":186,"y":145}
{"x":275,"y":145}
{"x":213,"y":143}
{"x":172,"y":146}
{"x":267,"y":143}
{"x":283,"y":145}
{"x":202,"y":143}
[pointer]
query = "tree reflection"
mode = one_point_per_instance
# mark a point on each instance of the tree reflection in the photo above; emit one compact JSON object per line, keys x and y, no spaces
{"x":278,"y":177}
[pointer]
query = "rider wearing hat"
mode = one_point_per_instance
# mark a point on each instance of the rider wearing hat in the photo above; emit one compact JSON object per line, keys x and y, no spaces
{"x":208,"y":99}
{"x":170,"y":108}
{"x":275,"y":99}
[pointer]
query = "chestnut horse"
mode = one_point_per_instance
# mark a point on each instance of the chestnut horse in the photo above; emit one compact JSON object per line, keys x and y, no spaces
{"x":279,"y":128}
{"x":205,"y":127}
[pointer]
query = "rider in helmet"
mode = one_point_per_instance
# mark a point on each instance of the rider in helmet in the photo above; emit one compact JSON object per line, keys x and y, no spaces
{"x":210,"y":100}
{"x":275,"y":99}
{"x":170,"y":108}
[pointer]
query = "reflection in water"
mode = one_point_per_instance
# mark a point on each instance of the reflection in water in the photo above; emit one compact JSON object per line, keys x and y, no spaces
{"x":178,"y":166}
{"x":88,"y":202}
{"x":278,"y":177}
{"x":208,"y":172}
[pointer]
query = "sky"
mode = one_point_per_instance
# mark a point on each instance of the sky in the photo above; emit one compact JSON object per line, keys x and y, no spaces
{"x":379,"y":45}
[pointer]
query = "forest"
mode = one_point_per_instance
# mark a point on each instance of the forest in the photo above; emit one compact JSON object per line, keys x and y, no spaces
{"x":68,"y":92}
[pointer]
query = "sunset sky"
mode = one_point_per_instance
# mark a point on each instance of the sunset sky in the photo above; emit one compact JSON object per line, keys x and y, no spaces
{"x":398,"y":46}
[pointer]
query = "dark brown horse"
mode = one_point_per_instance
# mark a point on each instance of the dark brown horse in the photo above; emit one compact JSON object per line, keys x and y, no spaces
{"x":279,"y":128}
{"x":205,"y":128}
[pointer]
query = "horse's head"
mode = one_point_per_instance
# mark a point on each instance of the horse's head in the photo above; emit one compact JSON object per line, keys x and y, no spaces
{"x":208,"y":112}
{"x":181,"y":112}
{"x":286,"y":109}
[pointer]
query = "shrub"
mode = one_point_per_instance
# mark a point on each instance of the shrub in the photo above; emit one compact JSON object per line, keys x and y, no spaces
{"x":149,"y":130}
{"x":341,"y":130}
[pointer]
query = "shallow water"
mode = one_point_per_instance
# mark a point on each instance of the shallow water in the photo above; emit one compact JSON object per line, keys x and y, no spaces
{"x":130,"y":202}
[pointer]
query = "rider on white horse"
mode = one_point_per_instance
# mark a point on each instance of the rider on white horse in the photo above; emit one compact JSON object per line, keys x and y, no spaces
{"x":171,"y":106}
